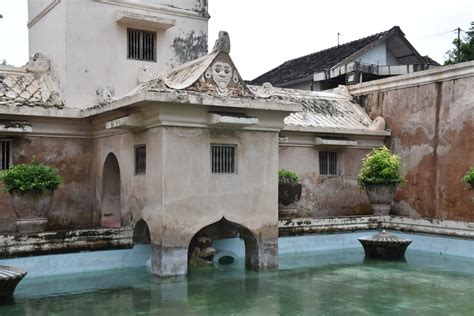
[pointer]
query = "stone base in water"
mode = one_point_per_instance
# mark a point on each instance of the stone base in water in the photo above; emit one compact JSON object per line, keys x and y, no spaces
{"x":384,"y":246}
{"x":9,"y":279}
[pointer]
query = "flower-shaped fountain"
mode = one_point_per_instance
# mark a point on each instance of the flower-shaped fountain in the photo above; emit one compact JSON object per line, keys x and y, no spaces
{"x":9,"y":279}
{"x":384,"y":246}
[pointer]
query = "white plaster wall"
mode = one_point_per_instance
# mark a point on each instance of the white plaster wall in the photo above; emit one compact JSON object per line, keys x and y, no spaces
{"x":376,"y":56}
{"x":88,"y":47}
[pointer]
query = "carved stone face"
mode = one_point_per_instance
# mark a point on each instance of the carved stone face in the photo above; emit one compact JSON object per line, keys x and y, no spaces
{"x":222,"y":75}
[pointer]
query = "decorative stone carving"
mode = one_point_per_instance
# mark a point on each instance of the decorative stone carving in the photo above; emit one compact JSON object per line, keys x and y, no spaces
{"x":105,"y":94}
{"x":144,"y":75}
{"x":265,"y":91}
{"x":203,"y":253}
{"x":342,"y":91}
{"x":222,"y":75}
{"x":40,"y":66}
{"x":222,"y":43}
{"x":378,"y":124}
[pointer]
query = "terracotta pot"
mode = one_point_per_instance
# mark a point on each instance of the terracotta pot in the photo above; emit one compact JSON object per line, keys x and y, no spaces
{"x":31,"y":209}
{"x":381,"y":197}
{"x":289,"y":193}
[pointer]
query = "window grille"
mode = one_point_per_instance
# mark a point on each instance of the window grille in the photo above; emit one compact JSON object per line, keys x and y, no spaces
{"x":141,"y":45}
{"x":140,"y":159}
{"x":223,"y":158}
{"x":328,"y":163}
{"x":5,"y":154}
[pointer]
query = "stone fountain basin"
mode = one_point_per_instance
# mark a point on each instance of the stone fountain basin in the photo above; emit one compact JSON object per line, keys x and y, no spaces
{"x":384,"y":246}
{"x":9,"y":279}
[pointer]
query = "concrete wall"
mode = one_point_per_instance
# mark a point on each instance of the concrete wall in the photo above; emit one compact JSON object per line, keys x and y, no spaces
{"x":85,"y":34}
{"x":431,"y":116}
{"x":324,"y":195}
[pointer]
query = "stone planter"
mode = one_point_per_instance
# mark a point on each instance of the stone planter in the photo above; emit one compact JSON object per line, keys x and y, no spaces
{"x":381,"y":197}
{"x":289,"y":193}
{"x":31,"y":210}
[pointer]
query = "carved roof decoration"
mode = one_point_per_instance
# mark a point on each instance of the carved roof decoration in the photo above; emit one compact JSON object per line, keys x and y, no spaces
{"x":30,"y":85}
{"x":214,"y":73}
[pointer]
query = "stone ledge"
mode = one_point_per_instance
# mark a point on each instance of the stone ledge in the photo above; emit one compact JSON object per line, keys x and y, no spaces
{"x":20,"y":245}
{"x":302,"y":226}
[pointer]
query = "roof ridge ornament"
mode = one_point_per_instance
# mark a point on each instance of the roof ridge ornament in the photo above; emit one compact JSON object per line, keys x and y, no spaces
{"x":222,"y":44}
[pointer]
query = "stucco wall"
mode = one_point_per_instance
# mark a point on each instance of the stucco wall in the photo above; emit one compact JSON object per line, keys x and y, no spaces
{"x":431,"y":116}
{"x":85,"y":36}
{"x":324,"y":195}
{"x":72,"y":202}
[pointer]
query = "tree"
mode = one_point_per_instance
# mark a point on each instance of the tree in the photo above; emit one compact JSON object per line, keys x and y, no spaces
{"x":466,"y":48}
{"x":4,"y":62}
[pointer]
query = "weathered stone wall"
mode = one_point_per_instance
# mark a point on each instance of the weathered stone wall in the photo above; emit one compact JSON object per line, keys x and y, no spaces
{"x":72,"y":203}
{"x":324,"y":195}
{"x":431,"y":115}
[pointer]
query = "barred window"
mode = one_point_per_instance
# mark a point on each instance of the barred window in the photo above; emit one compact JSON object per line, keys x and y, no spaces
{"x":328,"y":163}
{"x":140,"y":159}
{"x":5,"y":147}
{"x":223,"y":158}
{"x":141,"y":45}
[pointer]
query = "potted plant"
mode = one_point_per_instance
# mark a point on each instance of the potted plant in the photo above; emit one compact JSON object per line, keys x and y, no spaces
{"x":31,"y":187}
{"x":289,"y":190}
{"x":469,"y":177}
{"x":381,"y":172}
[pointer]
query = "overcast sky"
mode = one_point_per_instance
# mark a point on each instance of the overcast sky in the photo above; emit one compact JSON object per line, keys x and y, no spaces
{"x":265,"y":33}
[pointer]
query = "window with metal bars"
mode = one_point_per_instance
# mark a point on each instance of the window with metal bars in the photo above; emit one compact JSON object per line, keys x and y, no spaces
{"x":223,"y":158}
{"x":5,"y":161}
{"x":328,"y":163}
{"x":141,"y":45}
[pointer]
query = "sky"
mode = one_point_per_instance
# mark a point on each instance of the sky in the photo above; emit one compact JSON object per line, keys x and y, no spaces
{"x":266,"y":33}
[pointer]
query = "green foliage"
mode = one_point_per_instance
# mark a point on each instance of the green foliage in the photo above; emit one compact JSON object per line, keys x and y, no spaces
{"x":466,"y":48}
{"x":31,"y":177}
{"x":287,"y":176}
{"x":469,"y":176}
{"x":381,"y":167}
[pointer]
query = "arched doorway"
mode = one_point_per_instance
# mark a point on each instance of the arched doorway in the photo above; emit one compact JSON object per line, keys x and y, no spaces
{"x":225,"y":229}
{"x":111,"y":187}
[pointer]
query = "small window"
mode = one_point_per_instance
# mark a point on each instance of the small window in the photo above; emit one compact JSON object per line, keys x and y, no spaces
{"x":140,"y":159}
{"x":141,"y":45}
{"x":6,"y":154}
{"x":328,"y":163}
{"x":223,"y":158}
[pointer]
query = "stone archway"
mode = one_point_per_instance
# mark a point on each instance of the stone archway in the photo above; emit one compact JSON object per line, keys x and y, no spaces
{"x":226,"y":229}
{"x":111,"y":193}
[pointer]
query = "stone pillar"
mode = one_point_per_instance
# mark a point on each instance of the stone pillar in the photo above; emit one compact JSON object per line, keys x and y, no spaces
{"x":170,"y":261}
{"x":262,"y":254}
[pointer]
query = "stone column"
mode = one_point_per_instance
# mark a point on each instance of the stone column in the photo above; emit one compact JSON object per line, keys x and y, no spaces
{"x":262,"y":254}
{"x":168,"y":261}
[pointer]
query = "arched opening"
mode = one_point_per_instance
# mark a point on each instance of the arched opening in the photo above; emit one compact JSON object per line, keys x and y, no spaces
{"x":110,"y":200}
{"x":214,"y":236}
{"x":141,"y":233}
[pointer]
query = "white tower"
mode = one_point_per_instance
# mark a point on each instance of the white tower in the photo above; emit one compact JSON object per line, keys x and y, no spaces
{"x":103,"y":45}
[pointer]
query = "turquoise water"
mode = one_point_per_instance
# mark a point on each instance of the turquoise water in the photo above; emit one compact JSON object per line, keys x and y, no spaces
{"x":322,"y":283}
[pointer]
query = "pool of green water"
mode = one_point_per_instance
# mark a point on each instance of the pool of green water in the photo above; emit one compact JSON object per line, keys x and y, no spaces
{"x":322,"y":283}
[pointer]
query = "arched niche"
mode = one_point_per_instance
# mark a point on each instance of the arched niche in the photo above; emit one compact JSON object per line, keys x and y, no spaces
{"x":141,"y":233}
{"x":223,"y":229}
{"x":111,"y":193}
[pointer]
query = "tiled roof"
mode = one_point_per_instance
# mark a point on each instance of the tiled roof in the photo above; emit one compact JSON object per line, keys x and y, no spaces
{"x":306,"y":66}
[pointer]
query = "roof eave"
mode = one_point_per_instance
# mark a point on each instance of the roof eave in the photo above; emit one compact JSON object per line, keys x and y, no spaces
{"x":336,"y":130}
